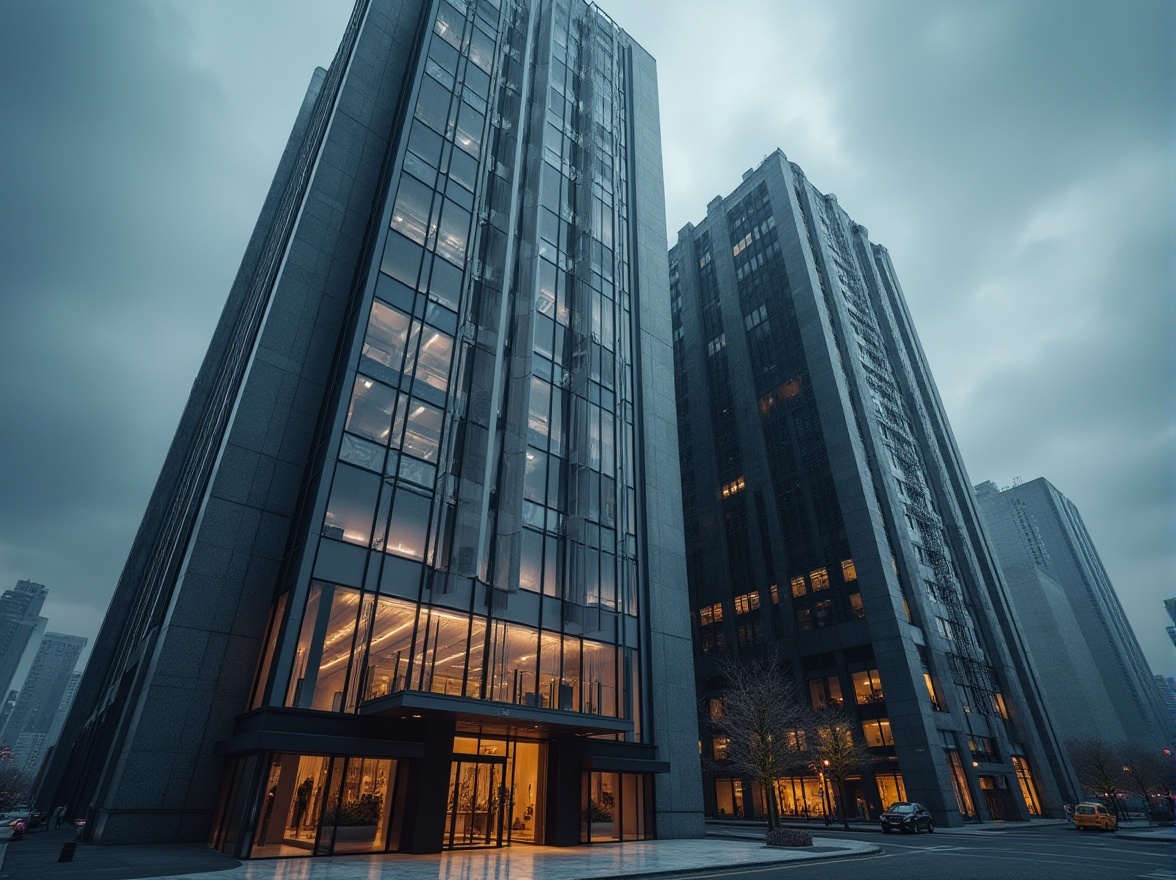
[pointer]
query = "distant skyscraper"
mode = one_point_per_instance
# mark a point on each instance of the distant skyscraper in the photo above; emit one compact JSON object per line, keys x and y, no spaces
{"x":1170,"y":607}
{"x":1044,"y":548}
{"x":19,"y":619}
{"x":412,"y":576}
{"x":39,"y":699}
{"x":828,"y":515}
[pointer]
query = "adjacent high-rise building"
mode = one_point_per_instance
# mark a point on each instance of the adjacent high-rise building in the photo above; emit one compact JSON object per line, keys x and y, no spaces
{"x":413,"y":574}
{"x":829,"y":518}
{"x":1093,"y":674}
{"x":1170,"y":607}
{"x":20,"y":610}
{"x":28,"y":725}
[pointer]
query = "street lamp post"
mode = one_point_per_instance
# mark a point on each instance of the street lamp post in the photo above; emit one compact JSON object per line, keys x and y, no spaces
{"x":825,"y":797}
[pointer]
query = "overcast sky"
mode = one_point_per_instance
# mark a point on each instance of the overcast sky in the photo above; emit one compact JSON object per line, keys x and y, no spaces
{"x":1015,"y":157}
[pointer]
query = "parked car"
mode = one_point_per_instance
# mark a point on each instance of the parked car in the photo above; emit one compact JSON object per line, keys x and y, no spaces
{"x":1094,"y":816}
{"x":21,"y":819}
{"x":907,"y":817}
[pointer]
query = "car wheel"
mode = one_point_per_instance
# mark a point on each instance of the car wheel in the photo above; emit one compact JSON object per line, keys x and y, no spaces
{"x":885,"y":829}
{"x":930,"y":827}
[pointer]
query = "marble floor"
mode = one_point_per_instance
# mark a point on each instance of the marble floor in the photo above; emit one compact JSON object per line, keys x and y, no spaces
{"x":528,"y":862}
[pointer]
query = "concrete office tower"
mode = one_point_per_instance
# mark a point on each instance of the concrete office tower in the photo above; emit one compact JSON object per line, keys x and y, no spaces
{"x":19,"y":621}
{"x":413,"y":575}
{"x":828,"y":515}
{"x":32,"y":715}
{"x":1052,"y":566}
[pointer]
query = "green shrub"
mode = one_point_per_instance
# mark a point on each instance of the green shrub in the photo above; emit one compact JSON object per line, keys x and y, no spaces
{"x":365,"y":811}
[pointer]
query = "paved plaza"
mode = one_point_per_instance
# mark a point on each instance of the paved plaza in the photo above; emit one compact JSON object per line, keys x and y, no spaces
{"x":35,"y":858}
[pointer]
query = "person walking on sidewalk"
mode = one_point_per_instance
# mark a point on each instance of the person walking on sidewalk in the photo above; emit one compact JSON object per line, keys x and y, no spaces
{"x":58,"y":816}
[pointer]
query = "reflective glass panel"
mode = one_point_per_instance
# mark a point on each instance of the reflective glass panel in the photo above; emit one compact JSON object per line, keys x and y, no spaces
{"x":411,"y":214}
{"x":423,"y":431}
{"x":370,"y":412}
{"x":352,"y":505}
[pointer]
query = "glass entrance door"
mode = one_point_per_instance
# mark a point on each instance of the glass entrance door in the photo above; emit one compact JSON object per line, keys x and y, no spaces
{"x":476,"y":796}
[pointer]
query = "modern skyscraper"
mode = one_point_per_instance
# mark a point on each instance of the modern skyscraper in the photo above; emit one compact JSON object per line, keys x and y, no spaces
{"x":413,"y":574}
{"x":36,"y":706}
{"x":1170,"y":607}
{"x":19,"y":619}
{"x":828,"y":515}
{"x":1048,"y":556}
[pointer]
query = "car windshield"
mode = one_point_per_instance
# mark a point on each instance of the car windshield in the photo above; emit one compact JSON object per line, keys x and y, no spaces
{"x":1084,"y":808}
{"x":902,"y":808}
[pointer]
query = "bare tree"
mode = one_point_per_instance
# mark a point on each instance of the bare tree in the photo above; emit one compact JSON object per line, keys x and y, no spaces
{"x":1098,"y":766}
{"x":1145,"y":772}
{"x":763,"y":719}
{"x":836,"y":752}
{"x":14,"y":785}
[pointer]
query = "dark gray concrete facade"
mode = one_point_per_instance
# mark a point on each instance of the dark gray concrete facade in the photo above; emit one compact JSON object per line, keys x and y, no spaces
{"x":195,"y":685}
{"x":1095,"y":678}
{"x":829,"y":517}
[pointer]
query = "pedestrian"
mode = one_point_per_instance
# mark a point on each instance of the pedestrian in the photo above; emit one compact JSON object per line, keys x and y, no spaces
{"x":1068,"y":808}
{"x":58,"y":817}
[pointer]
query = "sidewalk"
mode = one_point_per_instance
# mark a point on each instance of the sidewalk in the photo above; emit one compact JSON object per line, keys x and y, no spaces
{"x":35,"y":858}
{"x":751,"y":829}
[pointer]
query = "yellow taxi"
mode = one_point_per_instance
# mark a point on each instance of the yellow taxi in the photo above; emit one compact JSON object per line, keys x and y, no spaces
{"x":1094,"y":816}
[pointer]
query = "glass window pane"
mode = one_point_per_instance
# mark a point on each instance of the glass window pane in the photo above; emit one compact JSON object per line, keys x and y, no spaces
{"x":469,"y":129}
{"x":441,"y":653}
{"x":445,"y":55}
{"x":324,"y":648}
{"x":535,"y":478}
{"x":540,"y":407}
{"x":481,"y":50}
{"x":417,"y":472}
{"x":477,"y":81}
{"x":352,"y":505}
{"x":402,"y":259}
{"x":362,"y":453}
{"x":408,"y":525}
{"x":531,"y":561}
{"x":439,"y":316}
{"x":426,"y":143}
{"x":422,"y":434}
{"x":464,"y":169}
{"x":433,"y":359}
{"x":387,"y":662}
{"x":445,"y":283}
{"x":411,"y":214}
{"x":433,"y":104}
{"x":455,"y":228}
{"x":545,"y":288}
{"x":386,"y":333}
{"x":370,"y":412}
{"x":449,"y":24}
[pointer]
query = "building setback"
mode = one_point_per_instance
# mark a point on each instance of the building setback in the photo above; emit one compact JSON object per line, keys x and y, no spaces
{"x":1084,"y":650}
{"x":413,"y":574}
{"x":828,"y":516}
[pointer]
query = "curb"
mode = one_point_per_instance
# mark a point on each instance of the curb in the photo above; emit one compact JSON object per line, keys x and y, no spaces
{"x":866,"y":850}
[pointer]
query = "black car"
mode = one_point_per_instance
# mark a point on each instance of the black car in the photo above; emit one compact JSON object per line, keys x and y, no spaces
{"x":907,"y":817}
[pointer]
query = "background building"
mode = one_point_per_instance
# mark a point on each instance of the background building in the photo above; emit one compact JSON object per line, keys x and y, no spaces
{"x":19,"y":621}
{"x":28,"y":726}
{"x":412,"y":575}
{"x":828,"y":514}
{"x":1093,"y":673}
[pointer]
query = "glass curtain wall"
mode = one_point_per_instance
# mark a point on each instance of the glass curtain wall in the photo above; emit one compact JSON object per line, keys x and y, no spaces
{"x":422,"y":609}
{"x":325,"y":805}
